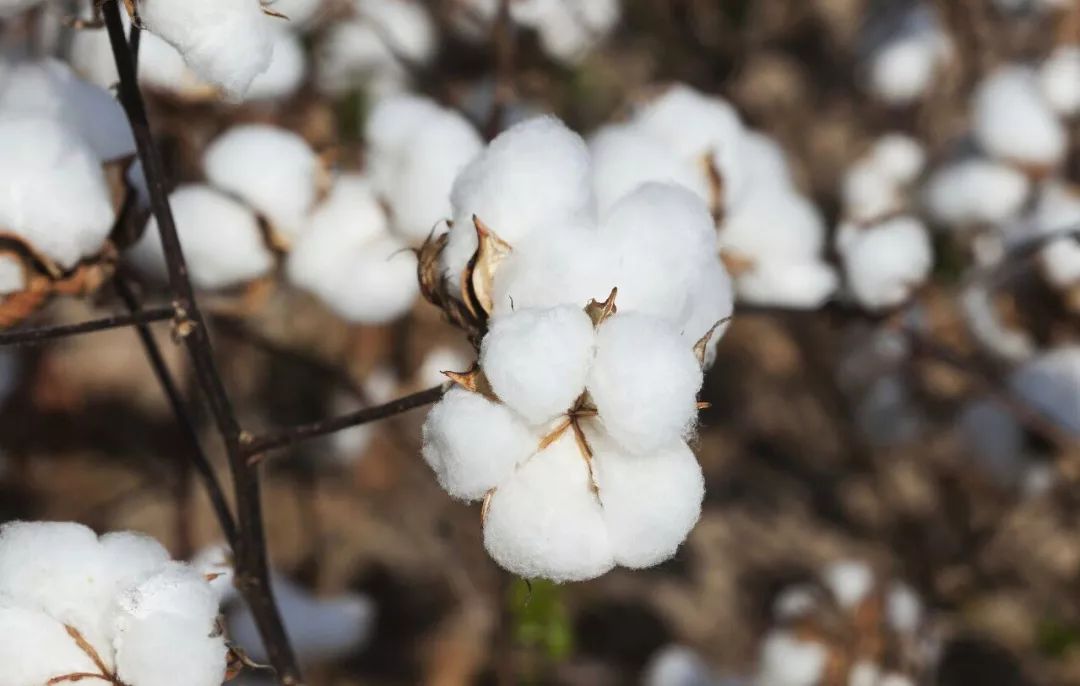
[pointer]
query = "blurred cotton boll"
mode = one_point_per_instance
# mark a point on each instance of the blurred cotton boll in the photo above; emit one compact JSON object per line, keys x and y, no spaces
{"x":1012,"y":120}
{"x":1059,"y":78}
{"x":907,"y":56}
{"x":884,"y":263}
{"x":975,"y":193}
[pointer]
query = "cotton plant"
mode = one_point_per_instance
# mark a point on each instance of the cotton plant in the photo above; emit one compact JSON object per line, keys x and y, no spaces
{"x":906,"y":54}
{"x":814,"y":624}
{"x":114,"y":609}
{"x":415,"y":150}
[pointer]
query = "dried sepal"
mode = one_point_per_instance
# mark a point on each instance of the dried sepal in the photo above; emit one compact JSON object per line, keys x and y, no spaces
{"x":735,"y":262}
{"x":40,"y":261}
{"x":486,"y":505}
{"x":702,"y":345}
{"x":473,"y":381}
{"x":600,"y":311}
{"x":716,"y":185}
{"x":479,"y":276}
{"x":435,"y":289}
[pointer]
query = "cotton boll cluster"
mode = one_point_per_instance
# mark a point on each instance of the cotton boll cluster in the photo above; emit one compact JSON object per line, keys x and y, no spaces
{"x":225,"y":43}
{"x":811,"y":641}
{"x":415,"y":151}
{"x":907,"y":54}
{"x":348,"y":257}
{"x":377,"y":47}
{"x":115,"y":607}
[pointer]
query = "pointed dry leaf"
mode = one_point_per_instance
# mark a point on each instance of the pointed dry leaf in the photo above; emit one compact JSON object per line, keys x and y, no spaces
{"x":555,"y":433}
{"x":474,"y":381}
{"x":599,"y":311}
{"x":490,"y":252}
{"x":716,"y":185}
{"x":702,"y":345}
{"x":736,"y":263}
{"x":486,"y":505}
{"x":16,"y":307}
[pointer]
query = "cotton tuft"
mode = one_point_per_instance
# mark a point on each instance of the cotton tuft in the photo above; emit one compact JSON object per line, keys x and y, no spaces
{"x":1013,"y":122}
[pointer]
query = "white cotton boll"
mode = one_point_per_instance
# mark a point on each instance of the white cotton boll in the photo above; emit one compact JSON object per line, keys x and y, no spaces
{"x":225,"y":42}
{"x":286,"y":71}
{"x":1059,"y":79}
{"x":624,"y":157}
{"x":712,"y":302}
{"x":700,"y":128}
{"x":133,"y":556}
{"x":320,"y":629}
{"x":1051,"y":385}
{"x":774,"y":224}
{"x":570,"y":30}
{"x":404,"y":25}
{"x":176,"y":589}
{"x":1060,"y":260}
{"x":1012,"y":121}
{"x":849,"y":581}
{"x":903,"y":69}
{"x":214,"y":562}
{"x":352,"y":54}
{"x":899,"y":157}
{"x":532,"y":175}
{"x":903,"y":609}
{"x":473,"y":444}
{"x":796,"y":601}
{"x":272,"y":169}
{"x":12,"y":274}
{"x":787,"y":660}
{"x":869,"y":192}
{"x":221,"y":239}
{"x":973,"y":192}
{"x":864,"y":673}
{"x":656,"y":241}
{"x":537,"y":360}
{"x":644,"y":382}
{"x":48,"y":88}
{"x":1058,"y":211}
{"x":884,"y":263}
{"x":439,"y":360}
{"x":765,"y":160}
{"x":676,"y":665}
{"x":347,"y":258}
{"x":36,"y":648}
{"x":545,"y":521}
{"x":651,"y":501}
{"x":996,"y":439}
{"x":804,"y":285}
{"x":55,"y":195}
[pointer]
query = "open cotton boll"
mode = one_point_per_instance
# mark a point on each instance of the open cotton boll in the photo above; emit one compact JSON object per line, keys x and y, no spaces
{"x":644,"y":382}
{"x":286,"y":70}
{"x":849,"y":581}
{"x":870,"y":192}
{"x":766,"y":162}
{"x":568,"y":29}
{"x":884,"y":263}
{"x":975,"y":192}
{"x":320,"y":629}
{"x":473,"y":444}
{"x":55,"y":196}
{"x":36,"y":648}
{"x":904,"y":62}
{"x":712,"y":303}
{"x":1059,"y":79}
{"x":12,"y":274}
{"x":544,"y":521}
{"x":537,"y":360}
{"x":656,"y":241}
{"x":222,"y":242}
{"x":1058,"y":211}
{"x":787,"y":660}
{"x":1011,"y":119}
{"x":903,"y":609}
{"x":532,"y":175}
{"x":700,"y":129}
{"x":651,"y":501}
{"x":625,"y":157}
{"x":1049,"y":384}
{"x":899,"y":157}
{"x":774,"y":224}
{"x":347,"y":258}
{"x":48,"y":88}
{"x":405,"y":26}
{"x":800,"y":284}
{"x":676,"y":665}
{"x":226,"y":42}
{"x":272,"y":169}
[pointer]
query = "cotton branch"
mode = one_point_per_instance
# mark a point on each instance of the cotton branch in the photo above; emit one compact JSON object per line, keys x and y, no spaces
{"x":252,"y":572}
{"x":39,"y":335}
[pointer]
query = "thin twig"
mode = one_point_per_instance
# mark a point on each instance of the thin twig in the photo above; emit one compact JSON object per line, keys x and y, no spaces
{"x":256,"y":446}
{"x":40,"y":335}
{"x":252,"y":570}
{"x":503,"y":44}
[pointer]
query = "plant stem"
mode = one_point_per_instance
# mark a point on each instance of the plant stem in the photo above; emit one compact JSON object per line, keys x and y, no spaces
{"x":32,"y":336}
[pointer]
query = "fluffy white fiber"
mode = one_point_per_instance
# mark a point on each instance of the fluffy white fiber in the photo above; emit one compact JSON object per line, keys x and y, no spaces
{"x":1058,"y":211}
{"x":787,"y":660}
{"x":272,"y":169}
{"x":347,"y":257}
{"x":899,"y":157}
{"x":975,"y":192}
{"x":903,"y":64}
{"x":299,"y":12}
{"x":849,"y":581}
{"x":12,"y":274}
{"x":1059,"y":79}
{"x":150,"y":621}
{"x":226,"y":42}
{"x":286,"y":71}
{"x":221,"y":238}
{"x":1012,"y":120}
{"x":884,"y":263}
{"x":55,"y":196}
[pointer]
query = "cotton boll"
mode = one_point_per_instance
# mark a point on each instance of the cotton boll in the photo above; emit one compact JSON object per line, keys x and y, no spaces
{"x":286,"y":70}
{"x":348,"y":259}
{"x":320,"y":629}
{"x":787,"y":660}
{"x":48,"y":88}
{"x":12,"y":274}
{"x":544,"y":521}
{"x":570,"y":30}
{"x":651,"y":501}
{"x":226,"y":43}
{"x":886,"y":262}
{"x":1059,"y":80}
{"x":905,"y":61}
{"x":766,"y":162}
{"x":676,"y":665}
{"x":532,"y":175}
{"x":711,"y":303}
{"x":221,"y":239}
{"x":214,"y":562}
{"x":624,"y":157}
{"x":473,"y":444}
{"x":133,"y":556}
{"x":974,"y":192}
{"x":1058,"y":211}
{"x":55,"y":195}
{"x":405,"y":25}
{"x":36,"y":648}
{"x":864,"y":673}
{"x":644,"y":382}
{"x":849,"y":581}
{"x":537,"y":360}
{"x":1049,"y":384}
{"x":774,"y":224}
{"x":439,"y":360}
{"x":903,"y":609}
{"x":901,"y":158}
{"x":272,"y":169}
{"x":870,"y":192}
{"x":1012,"y":121}
{"x":804,"y":285}
{"x":657,"y":240}
{"x":1060,"y":261}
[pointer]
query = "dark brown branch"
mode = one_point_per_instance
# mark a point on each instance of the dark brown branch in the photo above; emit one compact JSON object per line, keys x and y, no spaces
{"x":252,"y":570}
{"x":197,"y":456}
{"x":256,"y":446}
{"x":40,"y":335}
{"x":504,"y":46}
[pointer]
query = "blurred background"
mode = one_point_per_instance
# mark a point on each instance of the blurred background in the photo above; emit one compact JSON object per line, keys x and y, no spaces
{"x":924,"y":451}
